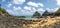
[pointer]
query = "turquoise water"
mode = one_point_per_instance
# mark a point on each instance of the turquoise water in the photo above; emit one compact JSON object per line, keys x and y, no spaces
{"x":28,"y":18}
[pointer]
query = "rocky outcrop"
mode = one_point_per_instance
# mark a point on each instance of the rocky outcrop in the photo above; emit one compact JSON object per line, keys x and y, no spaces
{"x":36,"y":15}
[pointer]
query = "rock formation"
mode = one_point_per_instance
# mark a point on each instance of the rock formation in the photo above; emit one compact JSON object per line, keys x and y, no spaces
{"x":36,"y":15}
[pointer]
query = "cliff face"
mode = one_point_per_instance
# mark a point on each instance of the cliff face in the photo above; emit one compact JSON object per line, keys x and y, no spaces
{"x":7,"y":21}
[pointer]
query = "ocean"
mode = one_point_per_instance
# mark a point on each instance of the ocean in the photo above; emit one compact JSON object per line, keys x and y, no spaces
{"x":28,"y":18}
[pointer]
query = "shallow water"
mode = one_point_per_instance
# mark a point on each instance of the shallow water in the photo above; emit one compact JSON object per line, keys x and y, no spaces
{"x":28,"y":18}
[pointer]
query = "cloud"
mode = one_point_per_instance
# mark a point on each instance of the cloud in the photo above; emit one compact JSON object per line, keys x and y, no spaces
{"x":41,"y":10}
{"x":19,"y":11}
{"x":40,"y":4}
{"x":35,"y":4}
{"x":18,"y":1}
{"x":34,"y":9}
{"x":9,"y":5}
{"x":51,"y":10}
{"x":10,"y":11}
{"x":58,"y":2}
{"x":56,"y":9}
{"x":14,"y":13}
{"x":32,"y":4}
{"x":24,"y":12}
{"x":27,"y":8}
{"x":16,"y":8}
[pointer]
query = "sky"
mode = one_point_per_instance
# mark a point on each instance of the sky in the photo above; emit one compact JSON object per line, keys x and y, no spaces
{"x":28,"y":7}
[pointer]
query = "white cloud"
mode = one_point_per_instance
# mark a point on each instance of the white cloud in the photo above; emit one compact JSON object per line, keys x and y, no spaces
{"x":58,"y":2}
{"x":16,"y":8}
{"x":32,"y":4}
{"x":33,"y":9}
{"x":41,"y":10}
{"x":30,"y":9}
{"x":51,"y":10}
{"x":48,"y":9}
{"x":56,"y":9}
{"x":9,"y":5}
{"x":10,"y":11}
{"x":40,"y":4}
{"x":35,"y":4}
{"x":18,"y":1}
{"x":27,"y":8}
{"x":24,"y":12}
{"x":29,"y":13}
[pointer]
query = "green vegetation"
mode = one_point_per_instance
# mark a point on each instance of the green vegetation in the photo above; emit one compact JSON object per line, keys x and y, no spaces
{"x":2,"y":10}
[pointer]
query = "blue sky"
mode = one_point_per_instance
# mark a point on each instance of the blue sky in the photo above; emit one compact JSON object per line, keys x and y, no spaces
{"x":28,"y":7}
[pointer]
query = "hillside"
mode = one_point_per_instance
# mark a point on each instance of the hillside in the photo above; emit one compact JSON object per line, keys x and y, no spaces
{"x":7,"y":21}
{"x":13,"y":22}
